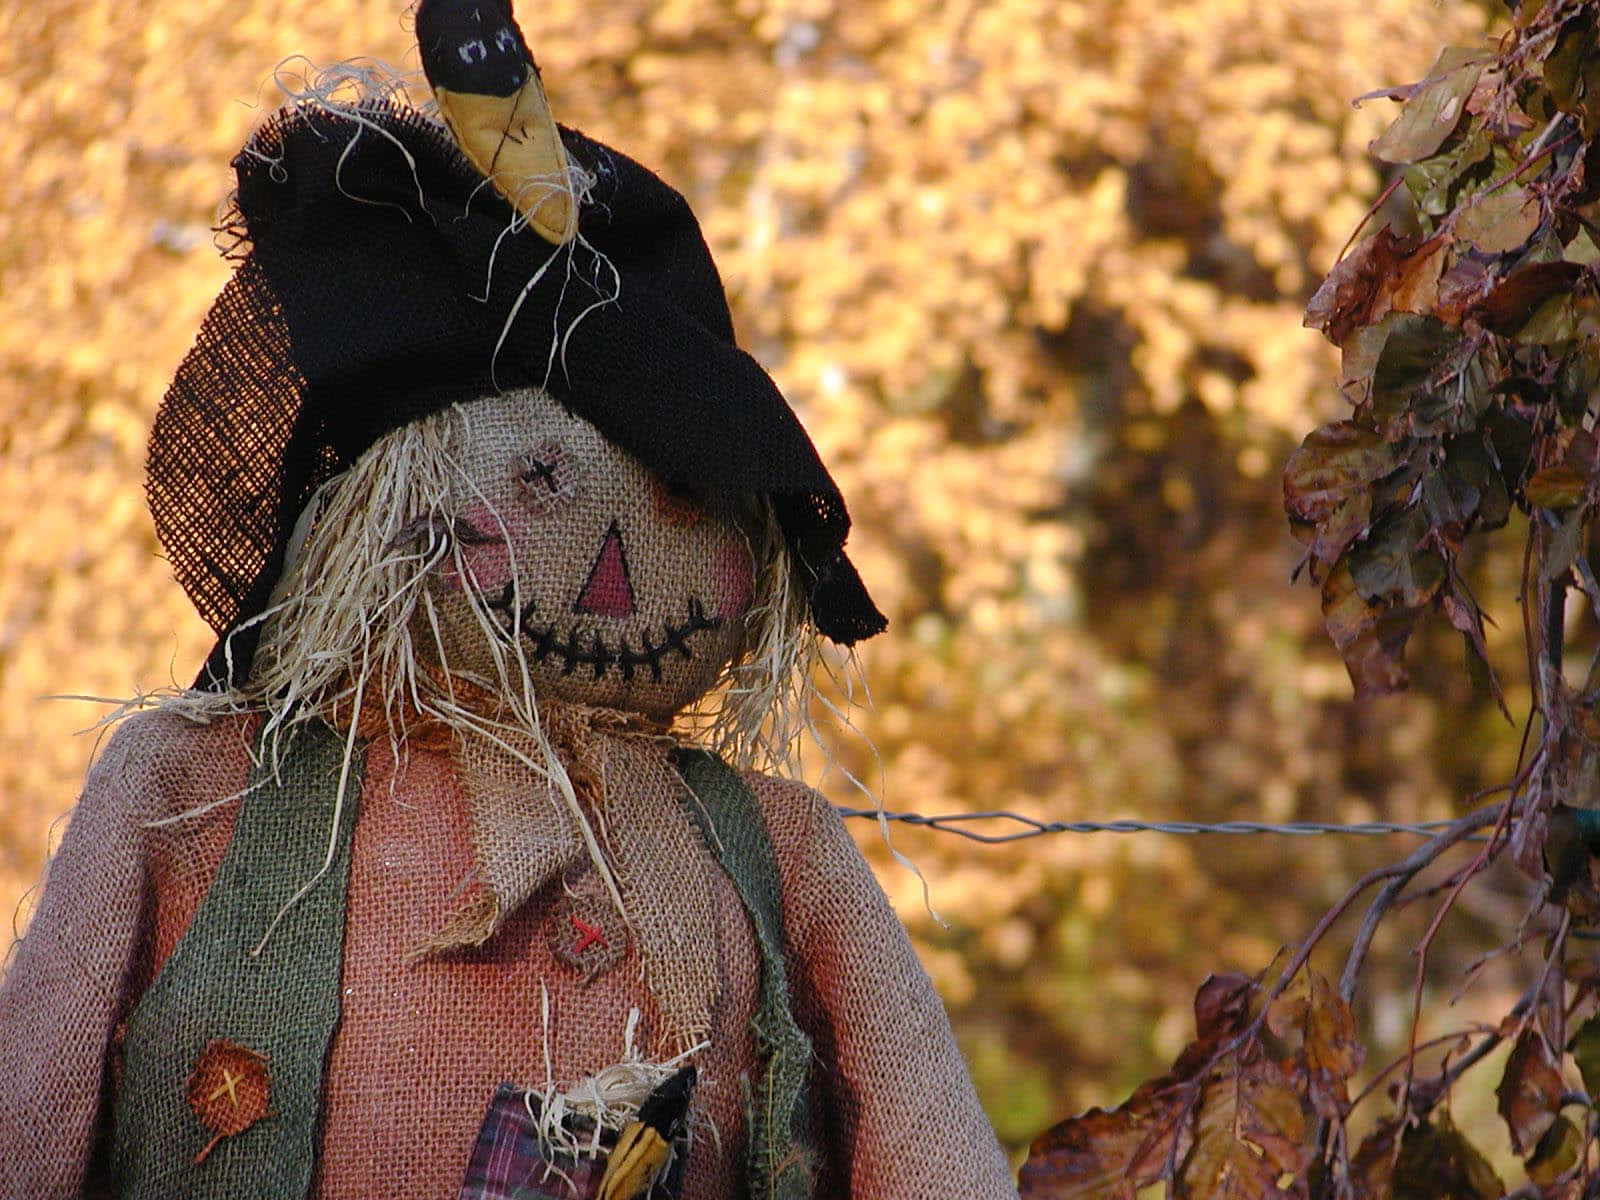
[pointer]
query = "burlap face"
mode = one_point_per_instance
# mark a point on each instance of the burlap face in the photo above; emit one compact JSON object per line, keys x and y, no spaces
{"x":619,"y":591}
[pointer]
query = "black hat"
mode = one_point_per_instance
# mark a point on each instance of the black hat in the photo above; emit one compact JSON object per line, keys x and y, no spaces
{"x":381,"y":279}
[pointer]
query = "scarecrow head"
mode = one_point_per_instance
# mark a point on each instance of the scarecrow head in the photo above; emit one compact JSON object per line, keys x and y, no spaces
{"x":484,"y":416}
{"x":619,"y":589}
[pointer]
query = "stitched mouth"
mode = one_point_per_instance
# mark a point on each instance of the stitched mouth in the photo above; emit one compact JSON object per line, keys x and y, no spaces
{"x":578,"y":649}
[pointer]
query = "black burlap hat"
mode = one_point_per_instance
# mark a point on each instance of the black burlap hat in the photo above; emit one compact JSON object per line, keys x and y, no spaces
{"x":380,"y":279}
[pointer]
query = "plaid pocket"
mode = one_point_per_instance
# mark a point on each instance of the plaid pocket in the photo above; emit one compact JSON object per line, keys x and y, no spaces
{"x":510,"y":1161}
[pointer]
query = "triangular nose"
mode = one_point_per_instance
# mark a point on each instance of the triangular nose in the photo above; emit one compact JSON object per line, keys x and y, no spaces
{"x":608,"y":592}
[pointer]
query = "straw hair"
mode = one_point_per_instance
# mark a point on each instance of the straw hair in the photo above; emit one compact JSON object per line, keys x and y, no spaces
{"x":352,"y":625}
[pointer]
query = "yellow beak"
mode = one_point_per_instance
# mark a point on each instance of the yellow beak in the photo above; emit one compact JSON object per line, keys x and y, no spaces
{"x":514,"y":142}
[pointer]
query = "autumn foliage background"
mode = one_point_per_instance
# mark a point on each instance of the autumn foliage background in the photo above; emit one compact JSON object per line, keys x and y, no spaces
{"x":1033,"y":274}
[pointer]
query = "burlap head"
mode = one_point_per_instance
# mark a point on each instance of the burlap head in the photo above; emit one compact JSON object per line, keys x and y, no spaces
{"x":621,"y":591}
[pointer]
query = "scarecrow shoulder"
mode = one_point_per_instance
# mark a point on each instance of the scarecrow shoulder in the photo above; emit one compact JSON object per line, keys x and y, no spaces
{"x":159,"y":762}
{"x":792,"y":811}
{"x":68,"y":978}
{"x":808,"y":837}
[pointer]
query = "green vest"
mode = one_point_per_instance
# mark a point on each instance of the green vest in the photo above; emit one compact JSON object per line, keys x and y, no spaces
{"x":281,"y":1004}
{"x":776,"y":1112}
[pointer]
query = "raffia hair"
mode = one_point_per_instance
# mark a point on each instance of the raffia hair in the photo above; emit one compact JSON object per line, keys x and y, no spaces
{"x":343,"y":625}
{"x":341,"y":633}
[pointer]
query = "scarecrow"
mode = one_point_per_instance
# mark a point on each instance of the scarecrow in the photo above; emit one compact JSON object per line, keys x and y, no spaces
{"x":438,"y":883}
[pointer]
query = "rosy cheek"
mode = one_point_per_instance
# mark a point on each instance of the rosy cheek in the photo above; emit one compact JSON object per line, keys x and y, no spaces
{"x":488,"y":564}
{"x":731,"y":582}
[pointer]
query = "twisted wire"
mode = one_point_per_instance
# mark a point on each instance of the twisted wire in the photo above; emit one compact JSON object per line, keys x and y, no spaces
{"x":955,"y":823}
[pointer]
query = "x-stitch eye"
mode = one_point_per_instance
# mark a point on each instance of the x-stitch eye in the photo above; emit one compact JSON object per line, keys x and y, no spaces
{"x":546,"y":476}
{"x":540,"y":472}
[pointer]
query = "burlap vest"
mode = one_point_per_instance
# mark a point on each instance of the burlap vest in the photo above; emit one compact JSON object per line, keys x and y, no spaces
{"x":277,"y":1004}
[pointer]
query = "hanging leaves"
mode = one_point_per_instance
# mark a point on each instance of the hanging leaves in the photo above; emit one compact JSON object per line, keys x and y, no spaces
{"x":1437,"y":1163}
{"x":1529,"y":1095}
{"x":228,"y":1090}
{"x":1249,"y":1133}
{"x":1470,"y":347}
{"x":1328,"y":1052}
{"x":1327,"y":485}
{"x":1232,"y":1118}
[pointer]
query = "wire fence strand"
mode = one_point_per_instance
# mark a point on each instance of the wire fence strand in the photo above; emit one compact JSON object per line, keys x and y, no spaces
{"x":1031,"y":827}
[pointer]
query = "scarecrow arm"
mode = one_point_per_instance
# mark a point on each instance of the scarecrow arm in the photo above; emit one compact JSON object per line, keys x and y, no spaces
{"x":64,"y":990}
{"x":898,"y":1113}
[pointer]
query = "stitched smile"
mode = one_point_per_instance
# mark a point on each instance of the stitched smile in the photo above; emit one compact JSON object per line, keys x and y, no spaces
{"x":580,"y":649}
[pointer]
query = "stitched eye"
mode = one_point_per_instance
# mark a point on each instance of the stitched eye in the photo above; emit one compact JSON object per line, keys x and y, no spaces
{"x":538,"y":471}
{"x":546,"y":476}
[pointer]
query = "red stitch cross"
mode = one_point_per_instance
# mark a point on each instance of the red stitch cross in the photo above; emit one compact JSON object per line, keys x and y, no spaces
{"x":588,"y":934}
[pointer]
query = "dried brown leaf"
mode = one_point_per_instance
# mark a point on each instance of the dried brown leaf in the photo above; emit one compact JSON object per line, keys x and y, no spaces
{"x":1372,"y":1166}
{"x":1222,"y":1006}
{"x":1327,"y":482}
{"x":1250,"y":1133}
{"x":1415,"y":286}
{"x":1108,"y":1155}
{"x":1530,"y":1091}
{"x":1434,"y":109}
{"x":1374,"y":662}
{"x":1437,"y":1163}
{"x":1514,"y":300}
{"x":1558,"y":487}
{"x":1103,"y":1155}
{"x":1323,"y":1051}
{"x":1384,"y":273}
{"x":1499,"y":220}
{"x":1333,"y":463}
{"x":1332,"y":1050}
{"x":1462,"y":288}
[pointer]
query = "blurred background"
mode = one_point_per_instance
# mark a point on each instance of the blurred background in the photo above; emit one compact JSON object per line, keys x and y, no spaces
{"x":1032,"y":272}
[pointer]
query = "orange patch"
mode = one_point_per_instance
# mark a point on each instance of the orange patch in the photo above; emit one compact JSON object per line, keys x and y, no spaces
{"x":228,"y":1090}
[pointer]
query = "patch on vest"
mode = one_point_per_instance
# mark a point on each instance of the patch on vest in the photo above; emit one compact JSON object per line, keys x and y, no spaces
{"x":585,"y":931}
{"x":228,"y":1090}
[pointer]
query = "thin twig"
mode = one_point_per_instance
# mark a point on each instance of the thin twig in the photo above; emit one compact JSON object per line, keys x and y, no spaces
{"x":1399,"y":874}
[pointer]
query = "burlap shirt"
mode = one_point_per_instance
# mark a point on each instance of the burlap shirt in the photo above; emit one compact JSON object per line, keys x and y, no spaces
{"x":421,"y":1044}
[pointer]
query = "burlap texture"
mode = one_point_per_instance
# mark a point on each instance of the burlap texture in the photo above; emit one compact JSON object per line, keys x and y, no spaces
{"x":95,"y":938}
{"x":898,"y":1113}
{"x":525,"y":839}
{"x":256,"y":974}
{"x":422,"y":1044}
{"x":624,"y":593}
